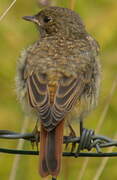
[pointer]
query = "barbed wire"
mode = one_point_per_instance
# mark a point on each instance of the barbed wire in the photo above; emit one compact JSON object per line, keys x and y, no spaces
{"x":88,"y":141}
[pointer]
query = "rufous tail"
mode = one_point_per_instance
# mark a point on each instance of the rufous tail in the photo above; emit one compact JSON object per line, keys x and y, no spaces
{"x":51,"y":150}
{"x":43,"y":169}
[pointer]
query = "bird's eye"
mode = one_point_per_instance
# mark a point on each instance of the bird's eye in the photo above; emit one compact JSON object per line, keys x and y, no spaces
{"x":46,"y":19}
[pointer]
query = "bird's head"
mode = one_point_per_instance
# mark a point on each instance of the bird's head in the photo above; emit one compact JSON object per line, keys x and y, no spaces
{"x":57,"y":20}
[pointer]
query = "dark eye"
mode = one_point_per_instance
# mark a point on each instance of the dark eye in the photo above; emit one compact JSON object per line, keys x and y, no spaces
{"x":46,"y":19}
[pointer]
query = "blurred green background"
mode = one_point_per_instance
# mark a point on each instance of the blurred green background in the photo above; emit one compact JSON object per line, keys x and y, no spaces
{"x":100,"y":17}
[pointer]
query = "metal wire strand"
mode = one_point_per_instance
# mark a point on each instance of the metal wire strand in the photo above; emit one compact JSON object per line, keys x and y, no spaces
{"x":88,"y":141}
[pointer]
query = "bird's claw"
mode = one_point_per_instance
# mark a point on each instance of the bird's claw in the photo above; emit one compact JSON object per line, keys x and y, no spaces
{"x":36,"y":134}
{"x":72,"y":134}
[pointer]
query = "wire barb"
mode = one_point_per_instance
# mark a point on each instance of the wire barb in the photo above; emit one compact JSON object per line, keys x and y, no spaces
{"x":85,"y":140}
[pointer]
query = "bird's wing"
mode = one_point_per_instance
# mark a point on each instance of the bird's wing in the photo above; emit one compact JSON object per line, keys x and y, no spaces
{"x":68,"y":91}
{"x":38,"y":95}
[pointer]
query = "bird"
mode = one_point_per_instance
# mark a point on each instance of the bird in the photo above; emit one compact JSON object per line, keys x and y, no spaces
{"x":58,"y":79}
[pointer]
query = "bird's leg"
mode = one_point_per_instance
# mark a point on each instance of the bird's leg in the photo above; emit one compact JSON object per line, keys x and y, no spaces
{"x":36,"y":134}
{"x":81,"y":127}
{"x":72,"y":134}
{"x":81,"y":131}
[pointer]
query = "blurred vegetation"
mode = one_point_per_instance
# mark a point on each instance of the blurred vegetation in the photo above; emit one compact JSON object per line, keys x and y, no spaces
{"x":100,"y":17}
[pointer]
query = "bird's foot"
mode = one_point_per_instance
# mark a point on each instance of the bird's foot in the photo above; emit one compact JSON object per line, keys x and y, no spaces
{"x":71,"y":135}
{"x":36,"y":134}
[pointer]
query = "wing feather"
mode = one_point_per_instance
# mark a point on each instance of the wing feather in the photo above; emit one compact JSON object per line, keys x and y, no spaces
{"x":39,"y":97}
{"x":66,"y":97}
{"x":68,"y":91}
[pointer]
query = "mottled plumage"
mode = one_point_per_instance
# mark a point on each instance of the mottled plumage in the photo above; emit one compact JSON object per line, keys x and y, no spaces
{"x":58,"y":76}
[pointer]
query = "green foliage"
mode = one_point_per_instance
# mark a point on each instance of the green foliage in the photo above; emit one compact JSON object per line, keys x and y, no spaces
{"x":100,"y":17}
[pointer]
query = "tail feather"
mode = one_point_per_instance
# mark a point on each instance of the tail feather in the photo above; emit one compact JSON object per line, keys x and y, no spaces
{"x":54,"y":149}
{"x":43,"y":169}
{"x":51,"y":150}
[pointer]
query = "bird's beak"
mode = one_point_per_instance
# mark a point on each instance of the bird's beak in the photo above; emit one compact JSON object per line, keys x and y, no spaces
{"x":31,"y":18}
